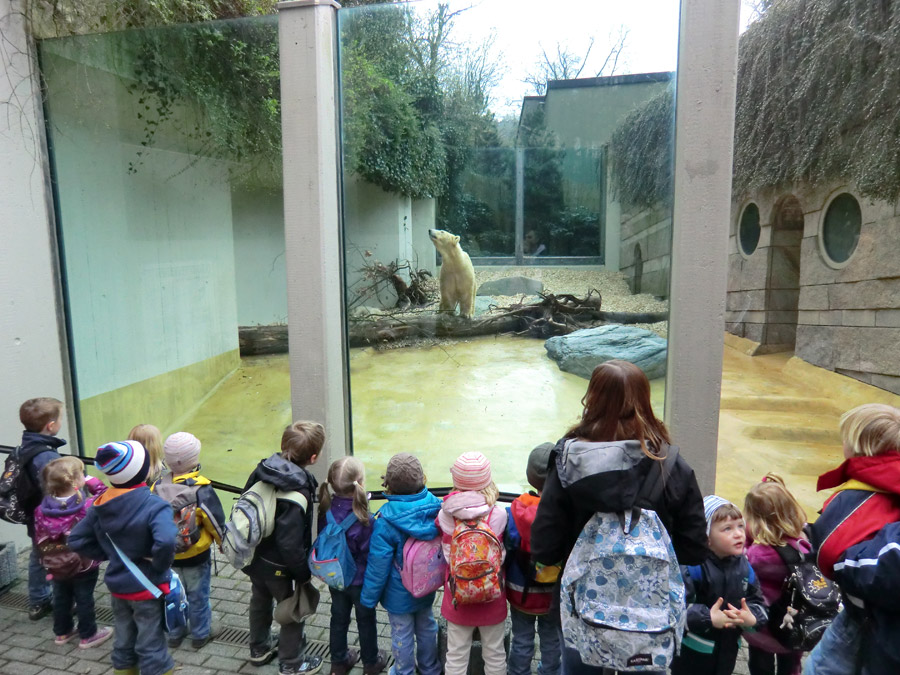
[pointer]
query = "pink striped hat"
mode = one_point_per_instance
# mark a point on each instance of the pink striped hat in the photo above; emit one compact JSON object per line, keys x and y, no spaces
{"x":471,"y":471}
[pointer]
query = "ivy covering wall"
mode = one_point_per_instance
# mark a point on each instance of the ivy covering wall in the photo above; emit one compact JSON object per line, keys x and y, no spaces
{"x":818,"y":99}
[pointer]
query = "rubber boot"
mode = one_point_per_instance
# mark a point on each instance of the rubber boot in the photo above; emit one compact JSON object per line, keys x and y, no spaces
{"x":128,"y":671}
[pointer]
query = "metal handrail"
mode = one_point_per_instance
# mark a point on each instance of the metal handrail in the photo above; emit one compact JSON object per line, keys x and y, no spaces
{"x":377,"y":495}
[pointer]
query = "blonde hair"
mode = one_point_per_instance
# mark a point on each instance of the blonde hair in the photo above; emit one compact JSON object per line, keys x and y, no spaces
{"x":61,"y":475}
{"x":871,"y":429}
{"x":772,"y":512}
{"x":37,"y":413}
{"x":346,"y":476}
{"x":491,"y":494}
{"x":150,"y":437}
{"x":301,"y":440}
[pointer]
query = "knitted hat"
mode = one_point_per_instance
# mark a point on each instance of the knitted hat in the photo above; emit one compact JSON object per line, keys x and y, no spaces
{"x":471,"y":471}
{"x":125,"y":463}
{"x":538,"y":462}
{"x":404,"y":474}
{"x":182,"y":452}
{"x":711,"y":504}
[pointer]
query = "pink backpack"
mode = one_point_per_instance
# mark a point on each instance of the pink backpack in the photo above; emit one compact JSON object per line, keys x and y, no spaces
{"x":424,"y":568}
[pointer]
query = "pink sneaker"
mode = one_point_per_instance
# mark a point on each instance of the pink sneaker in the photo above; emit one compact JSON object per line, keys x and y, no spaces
{"x":63,"y":639}
{"x":98,"y":638}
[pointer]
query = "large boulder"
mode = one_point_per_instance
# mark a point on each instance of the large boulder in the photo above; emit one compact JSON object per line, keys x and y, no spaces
{"x":582,"y":351}
{"x":511,"y":286}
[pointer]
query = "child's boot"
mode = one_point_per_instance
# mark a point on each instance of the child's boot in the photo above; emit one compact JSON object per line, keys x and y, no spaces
{"x":344,"y":667}
{"x":378,"y":666}
{"x":127,"y":671}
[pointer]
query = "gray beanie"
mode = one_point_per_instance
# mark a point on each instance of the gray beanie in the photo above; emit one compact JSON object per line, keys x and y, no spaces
{"x":538,"y":463}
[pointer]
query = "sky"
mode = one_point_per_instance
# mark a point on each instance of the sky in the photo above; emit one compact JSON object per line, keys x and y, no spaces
{"x":521,"y":28}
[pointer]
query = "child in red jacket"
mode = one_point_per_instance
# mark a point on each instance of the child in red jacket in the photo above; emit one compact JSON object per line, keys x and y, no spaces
{"x":530,"y":595}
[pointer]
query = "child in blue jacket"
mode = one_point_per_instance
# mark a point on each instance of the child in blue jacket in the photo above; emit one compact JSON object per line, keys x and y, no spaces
{"x":139,"y":523}
{"x":409,"y":512}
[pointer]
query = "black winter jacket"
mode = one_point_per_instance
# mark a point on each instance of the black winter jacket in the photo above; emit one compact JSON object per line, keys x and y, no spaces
{"x":284,"y":554}
{"x":607,"y":477}
{"x":707,"y":650}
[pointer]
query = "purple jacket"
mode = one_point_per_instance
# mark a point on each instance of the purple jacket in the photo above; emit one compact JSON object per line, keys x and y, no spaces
{"x":54,"y":517}
{"x":358,"y":535}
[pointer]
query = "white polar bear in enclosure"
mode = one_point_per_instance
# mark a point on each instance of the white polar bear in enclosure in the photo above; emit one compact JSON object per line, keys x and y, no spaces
{"x":457,"y":274}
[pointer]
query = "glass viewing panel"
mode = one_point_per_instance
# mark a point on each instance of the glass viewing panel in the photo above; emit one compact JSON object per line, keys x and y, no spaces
{"x":811,"y":316}
{"x":166,"y":156}
{"x":542,"y":148}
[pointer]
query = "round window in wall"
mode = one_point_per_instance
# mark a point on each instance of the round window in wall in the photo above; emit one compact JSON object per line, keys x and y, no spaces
{"x":748,"y":229}
{"x":840,"y":229}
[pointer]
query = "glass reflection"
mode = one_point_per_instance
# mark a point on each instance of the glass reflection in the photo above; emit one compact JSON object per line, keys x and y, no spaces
{"x":541,"y":152}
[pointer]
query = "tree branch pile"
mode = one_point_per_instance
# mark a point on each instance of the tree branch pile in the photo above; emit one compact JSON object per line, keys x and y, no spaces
{"x":552,"y":315}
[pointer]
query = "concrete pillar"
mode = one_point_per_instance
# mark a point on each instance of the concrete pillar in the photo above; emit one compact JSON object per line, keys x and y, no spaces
{"x":33,"y":350}
{"x":704,"y":130}
{"x":314,"y":252}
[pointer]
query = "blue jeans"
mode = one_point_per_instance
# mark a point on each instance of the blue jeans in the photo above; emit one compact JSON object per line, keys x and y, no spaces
{"x":71,"y":596}
{"x":196,"y":581}
{"x":838,"y":651}
{"x":521,"y":647}
{"x":419,"y":629}
{"x":39,"y":590}
{"x":139,"y":638}
{"x":342,"y":603}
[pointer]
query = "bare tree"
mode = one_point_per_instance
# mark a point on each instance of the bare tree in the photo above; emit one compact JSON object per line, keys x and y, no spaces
{"x":568,"y":65}
{"x":758,"y":8}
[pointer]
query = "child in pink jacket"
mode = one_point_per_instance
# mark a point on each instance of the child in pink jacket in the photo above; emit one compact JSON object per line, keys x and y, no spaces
{"x":472,"y":506}
{"x":774,"y":519}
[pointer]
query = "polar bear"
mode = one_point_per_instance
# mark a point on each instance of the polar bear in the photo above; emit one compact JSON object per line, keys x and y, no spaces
{"x":457,"y":274}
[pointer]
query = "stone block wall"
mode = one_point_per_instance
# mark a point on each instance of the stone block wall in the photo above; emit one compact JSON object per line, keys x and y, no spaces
{"x":649,"y":232}
{"x":848,"y":317}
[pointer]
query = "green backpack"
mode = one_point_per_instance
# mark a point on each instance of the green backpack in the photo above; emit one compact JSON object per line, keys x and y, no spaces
{"x":252,"y":520}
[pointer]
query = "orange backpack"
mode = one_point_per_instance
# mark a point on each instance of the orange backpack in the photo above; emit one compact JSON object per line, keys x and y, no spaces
{"x":476,"y":556}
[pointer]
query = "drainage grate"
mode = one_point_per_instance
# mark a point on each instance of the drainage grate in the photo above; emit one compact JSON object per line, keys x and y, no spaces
{"x":239,"y":637}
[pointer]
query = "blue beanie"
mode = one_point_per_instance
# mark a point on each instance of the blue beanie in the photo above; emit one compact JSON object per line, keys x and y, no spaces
{"x":125,"y":463}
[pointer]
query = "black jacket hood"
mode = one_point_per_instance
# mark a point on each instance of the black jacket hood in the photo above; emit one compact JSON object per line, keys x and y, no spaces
{"x":283,"y":474}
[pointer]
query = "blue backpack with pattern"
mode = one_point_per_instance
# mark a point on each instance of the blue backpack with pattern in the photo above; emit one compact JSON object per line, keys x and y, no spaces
{"x":622,"y":596}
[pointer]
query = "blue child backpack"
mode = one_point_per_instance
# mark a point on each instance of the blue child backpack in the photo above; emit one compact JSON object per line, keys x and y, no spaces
{"x":330,"y":559}
{"x":622,"y":595}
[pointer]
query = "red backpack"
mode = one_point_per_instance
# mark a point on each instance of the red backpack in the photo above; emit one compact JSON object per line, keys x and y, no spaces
{"x":524,"y":590}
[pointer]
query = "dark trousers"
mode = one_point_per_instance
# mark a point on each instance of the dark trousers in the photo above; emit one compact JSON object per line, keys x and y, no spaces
{"x":342,"y":603}
{"x":264,"y":593}
{"x":71,"y":597}
{"x":767,"y":663}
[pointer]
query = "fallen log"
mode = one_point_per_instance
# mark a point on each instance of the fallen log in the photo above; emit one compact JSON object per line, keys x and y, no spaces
{"x":389,"y":329}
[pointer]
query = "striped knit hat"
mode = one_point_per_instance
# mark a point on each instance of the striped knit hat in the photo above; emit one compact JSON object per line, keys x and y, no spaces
{"x":182,"y":452}
{"x":711,"y":504}
{"x":125,"y":463}
{"x":471,"y":471}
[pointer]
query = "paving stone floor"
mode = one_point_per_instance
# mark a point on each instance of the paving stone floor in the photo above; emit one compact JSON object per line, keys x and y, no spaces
{"x":27,"y":648}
